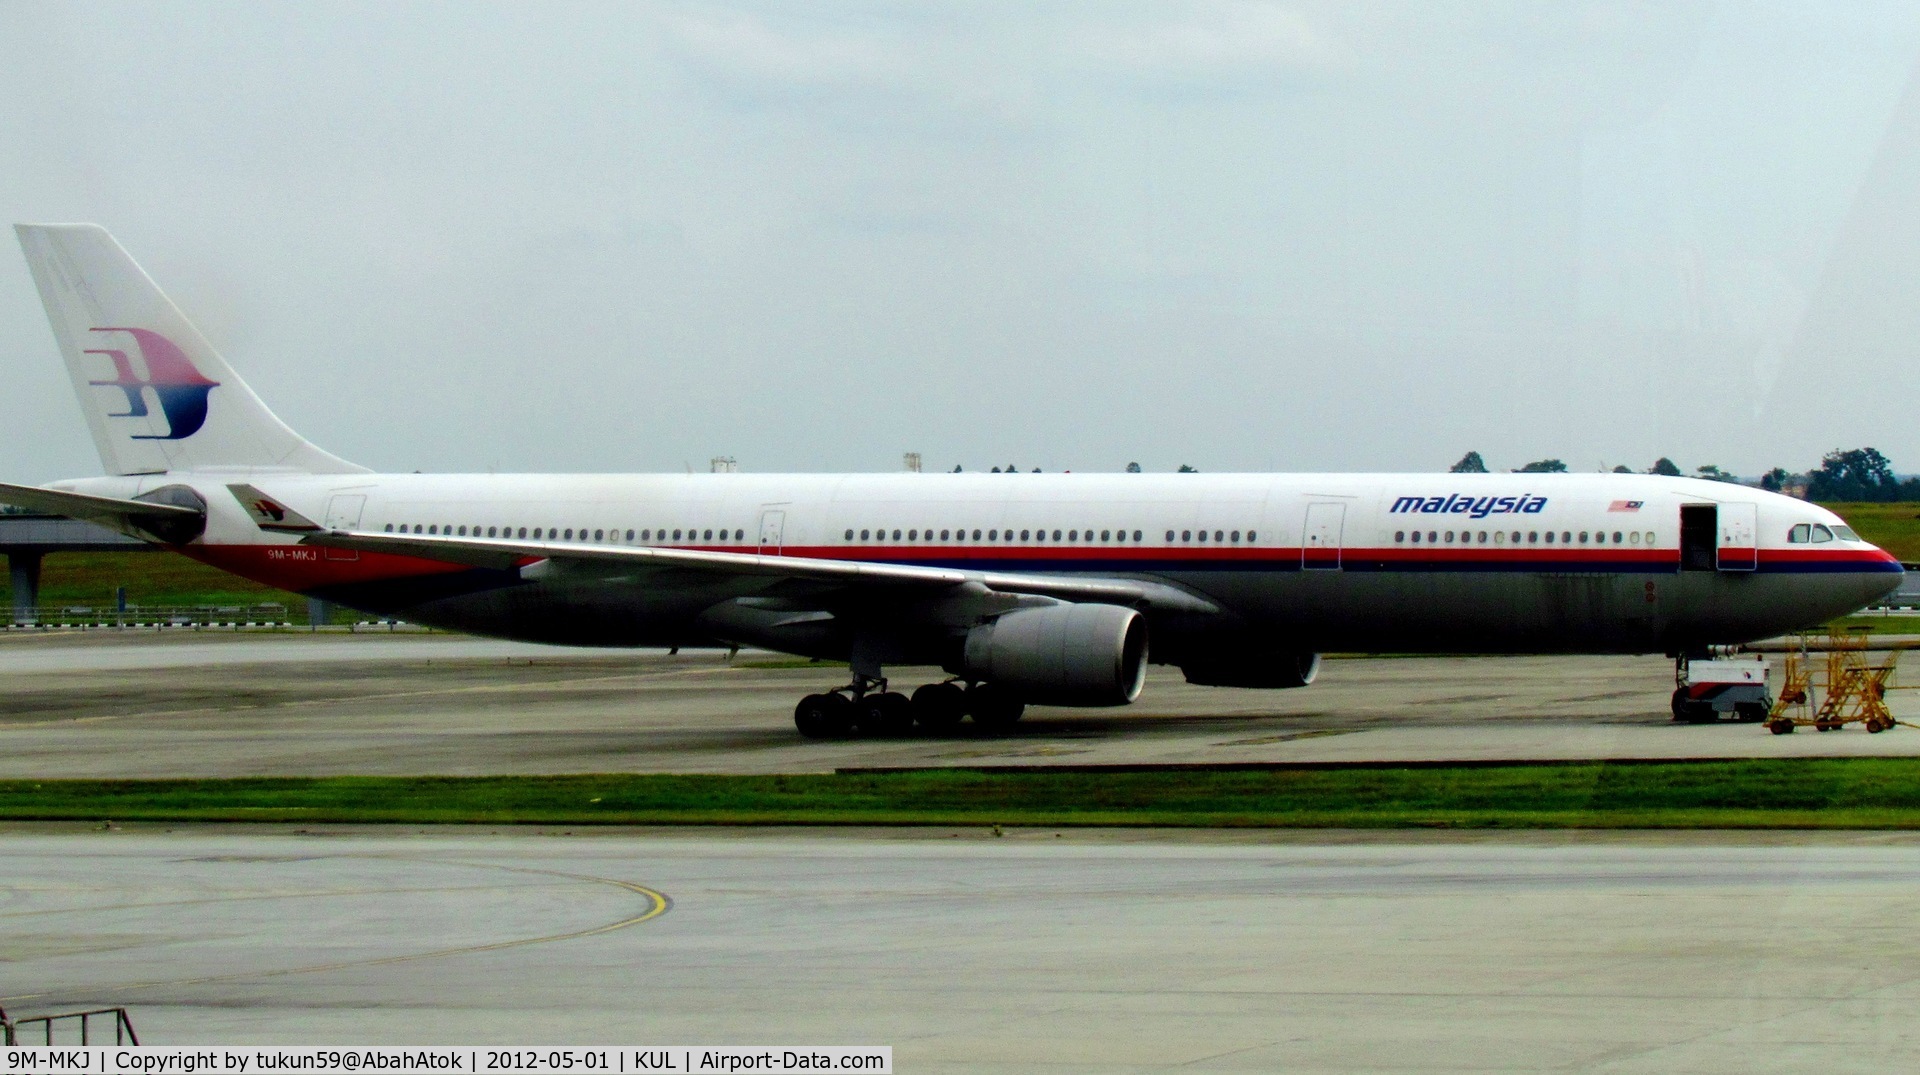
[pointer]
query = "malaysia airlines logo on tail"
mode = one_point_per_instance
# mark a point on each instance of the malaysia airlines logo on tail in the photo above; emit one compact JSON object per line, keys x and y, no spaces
{"x":180,"y":388}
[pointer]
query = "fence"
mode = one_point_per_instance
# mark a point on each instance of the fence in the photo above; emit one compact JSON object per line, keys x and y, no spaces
{"x":194,"y":616}
{"x":10,"y":1029}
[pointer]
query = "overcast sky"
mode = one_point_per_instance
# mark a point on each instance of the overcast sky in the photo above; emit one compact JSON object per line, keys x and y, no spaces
{"x":1244,"y":236}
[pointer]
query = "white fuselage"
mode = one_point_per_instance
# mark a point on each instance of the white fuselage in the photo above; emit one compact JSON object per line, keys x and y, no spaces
{"x":1435,"y":562}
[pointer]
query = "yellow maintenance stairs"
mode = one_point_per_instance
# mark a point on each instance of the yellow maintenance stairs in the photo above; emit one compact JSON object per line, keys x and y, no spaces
{"x":1851,"y":689}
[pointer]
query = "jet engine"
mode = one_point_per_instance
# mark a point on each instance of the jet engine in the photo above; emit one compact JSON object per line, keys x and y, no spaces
{"x":1074,"y":655}
{"x":1268,"y":668}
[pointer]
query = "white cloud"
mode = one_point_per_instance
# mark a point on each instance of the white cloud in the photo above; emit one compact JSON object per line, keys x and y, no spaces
{"x":1215,"y":38}
{"x":747,"y":46}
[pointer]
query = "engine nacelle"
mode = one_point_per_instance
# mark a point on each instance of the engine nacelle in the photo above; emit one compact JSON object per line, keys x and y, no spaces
{"x":1076,"y":655}
{"x":1270,"y":669}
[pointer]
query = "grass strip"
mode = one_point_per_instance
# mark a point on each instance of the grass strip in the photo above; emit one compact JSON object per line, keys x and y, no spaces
{"x":1866,"y":793}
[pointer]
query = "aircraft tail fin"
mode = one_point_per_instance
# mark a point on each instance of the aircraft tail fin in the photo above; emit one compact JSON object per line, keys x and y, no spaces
{"x":157,"y":396}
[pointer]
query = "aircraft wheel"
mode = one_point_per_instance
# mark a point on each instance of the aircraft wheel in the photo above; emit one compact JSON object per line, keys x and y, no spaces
{"x":993,"y":708}
{"x":823,"y":716}
{"x":1679,"y":703}
{"x":887,"y":714}
{"x":939,"y":707}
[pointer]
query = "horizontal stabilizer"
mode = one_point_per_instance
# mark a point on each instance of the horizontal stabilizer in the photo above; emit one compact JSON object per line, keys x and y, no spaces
{"x":148,"y":520}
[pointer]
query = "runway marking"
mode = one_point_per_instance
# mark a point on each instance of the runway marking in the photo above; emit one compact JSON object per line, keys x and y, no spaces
{"x":659,"y":903}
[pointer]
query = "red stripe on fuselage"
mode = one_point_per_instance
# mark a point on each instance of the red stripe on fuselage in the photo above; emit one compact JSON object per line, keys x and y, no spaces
{"x":301,"y":568}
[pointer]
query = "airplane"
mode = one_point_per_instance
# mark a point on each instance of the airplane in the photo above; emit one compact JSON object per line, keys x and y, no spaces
{"x":1056,"y":589}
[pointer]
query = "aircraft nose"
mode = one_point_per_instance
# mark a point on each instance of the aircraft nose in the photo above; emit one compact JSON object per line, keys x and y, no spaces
{"x":1886,"y":575}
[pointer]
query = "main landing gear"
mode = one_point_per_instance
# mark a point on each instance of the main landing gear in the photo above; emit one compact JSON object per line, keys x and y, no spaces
{"x":866,"y":707}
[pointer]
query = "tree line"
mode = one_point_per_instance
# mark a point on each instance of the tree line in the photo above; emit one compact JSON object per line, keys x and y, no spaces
{"x":1855,"y":474}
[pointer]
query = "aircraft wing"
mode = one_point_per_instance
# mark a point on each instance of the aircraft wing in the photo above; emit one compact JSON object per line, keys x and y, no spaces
{"x":507,"y":555}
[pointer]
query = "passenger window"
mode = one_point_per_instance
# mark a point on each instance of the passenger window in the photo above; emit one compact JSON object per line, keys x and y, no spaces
{"x":849,"y":535}
{"x":676,"y":535}
{"x":1565,"y":536}
{"x":1499,"y":537}
{"x":1800,"y":534}
{"x":1399,"y":537}
{"x":569,"y":533}
{"x":1416,"y":537}
{"x":434,"y":529}
{"x":1203,"y":535}
{"x":1516,"y":537}
{"x":913,"y":535}
{"x":1235,"y":535}
{"x":1056,"y":535}
{"x":1186,"y":535}
{"x":1632,"y":536}
{"x":1038,"y":535}
{"x":1483,"y":537}
{"x":1549,"y":537}
{"x":1616,"y":537}
{"x":993,"y":535}
{"x":1449,"y":537}
{"x":598,"y":535}
{"x":896,"y":535}
{"x":646,"y":535}
{"x":1821,"y":534}
{"x":943,"y":534}
{"x":1433,"y":536}
{"x":1169,"y":535}
{"x":1106,"y":535}
{"x":976,"y":535}
{"x":1583,"y":537}
{"x":1250,"y":535}
{"x":1023,"y":534}
{"x":389,"y":528}
{"x":1649,"y":537}
{"x":708,"y":536}
{"x":491,"y":531}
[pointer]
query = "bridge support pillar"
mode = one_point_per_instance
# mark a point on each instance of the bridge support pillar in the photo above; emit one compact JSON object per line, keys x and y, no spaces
{"x":23,"y":573}
{"x":319,"y":612}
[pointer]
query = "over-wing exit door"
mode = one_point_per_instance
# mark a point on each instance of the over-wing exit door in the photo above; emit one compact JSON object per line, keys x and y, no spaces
{"x":1320,"y":546}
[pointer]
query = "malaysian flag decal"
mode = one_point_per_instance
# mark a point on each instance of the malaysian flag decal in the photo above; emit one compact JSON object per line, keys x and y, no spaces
{"x":1625,"y":505}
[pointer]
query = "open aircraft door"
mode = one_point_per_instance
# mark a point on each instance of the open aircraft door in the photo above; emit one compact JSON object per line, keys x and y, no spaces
{"x":1321,"y":538}
{"x":1738,"y":548}
{"x":343,"y":513}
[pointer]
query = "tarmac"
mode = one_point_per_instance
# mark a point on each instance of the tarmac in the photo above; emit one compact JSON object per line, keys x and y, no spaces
{"x":1066,"y":951}
{"x":1041,"y":951}
{"x":186,"y":703}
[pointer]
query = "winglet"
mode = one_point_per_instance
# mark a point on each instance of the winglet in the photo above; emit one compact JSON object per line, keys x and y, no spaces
{"x":268,"y":513}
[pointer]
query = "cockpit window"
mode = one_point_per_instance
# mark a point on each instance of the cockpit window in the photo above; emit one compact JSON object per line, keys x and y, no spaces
{"x":1845,"y":533}
{"x":1800,"y":534}
{"x":1821,"y":533}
